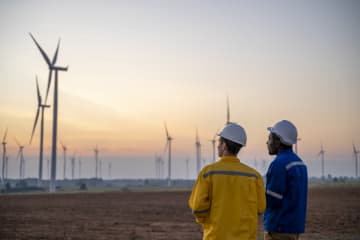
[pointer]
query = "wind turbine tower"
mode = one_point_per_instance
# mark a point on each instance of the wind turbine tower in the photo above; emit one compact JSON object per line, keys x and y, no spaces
{"x":100,"y":169}
{"x":356,"y":155}
{"x":73,"y":167}
{"x":4,"y":161}
{"x":64,"y":148}
{"x":213,"y":142}
{"x":22,"y":161}
{"x":6,"y":166}
{"x":110,"y":170}
{"x":198,"y":152}
{"x":48,"y":167}
{"x":52,"y":67}
{"x":321,"y":154}
{"x":168,"y":145}
{"x":96,"y":151}
{"x":41,"y":106}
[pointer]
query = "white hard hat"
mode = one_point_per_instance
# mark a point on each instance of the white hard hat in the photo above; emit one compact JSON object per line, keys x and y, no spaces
{"x":286,"y":131}
{"x":234,"y":132}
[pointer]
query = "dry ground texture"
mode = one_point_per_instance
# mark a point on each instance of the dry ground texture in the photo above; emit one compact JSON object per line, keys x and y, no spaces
{"x":333,"y":213}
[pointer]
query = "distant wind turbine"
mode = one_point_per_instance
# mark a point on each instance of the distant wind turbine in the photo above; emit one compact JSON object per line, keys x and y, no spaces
{"x":198,"y":152}
{"x":64,"y":148}
{"x":96,"y":151}
{"x":22,"y":160}
{"x":6,"y":166}
{"x":100,"y":169}
{"x":187,"y":168}
{"x":41,"y":106}
{"x":4,"y":156}
{"x":213,"y":142}
{"x":52,"y":67}
{"x":109,"y":170}
{"x":73,"y":167}
{"x":168,"y":145}
{"x":321,"y":154}
{"x":356,"y":155}
{"x":48,"y":167}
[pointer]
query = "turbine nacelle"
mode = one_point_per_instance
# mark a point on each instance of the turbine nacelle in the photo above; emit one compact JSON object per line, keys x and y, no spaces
{"x":56,"y":68}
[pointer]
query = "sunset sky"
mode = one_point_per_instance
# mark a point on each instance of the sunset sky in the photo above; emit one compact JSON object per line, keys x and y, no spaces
{"x":134,"y":65}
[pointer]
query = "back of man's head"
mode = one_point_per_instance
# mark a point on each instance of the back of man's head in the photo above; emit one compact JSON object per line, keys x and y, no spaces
{"x":232,"y":148}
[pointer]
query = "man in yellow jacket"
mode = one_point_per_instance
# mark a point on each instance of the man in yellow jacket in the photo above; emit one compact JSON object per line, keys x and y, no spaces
{"x":228,"y":196}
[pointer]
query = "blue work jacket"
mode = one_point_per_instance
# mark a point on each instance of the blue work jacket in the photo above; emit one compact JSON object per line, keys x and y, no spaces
{"x":286,"y":194}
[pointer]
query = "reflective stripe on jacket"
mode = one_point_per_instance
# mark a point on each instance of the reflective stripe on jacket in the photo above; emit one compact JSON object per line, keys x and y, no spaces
{"x":226,"y":200}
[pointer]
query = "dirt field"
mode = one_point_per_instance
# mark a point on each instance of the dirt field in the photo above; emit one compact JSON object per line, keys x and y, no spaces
{"x":333,"y":213}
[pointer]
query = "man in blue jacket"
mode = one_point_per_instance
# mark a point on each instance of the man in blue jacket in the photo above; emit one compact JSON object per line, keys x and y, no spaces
{"x":286,"y":186}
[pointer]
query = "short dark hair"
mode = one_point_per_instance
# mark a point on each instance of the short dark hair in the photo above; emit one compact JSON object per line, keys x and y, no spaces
{"x":232,"y":147}
{"x":284,"y":146}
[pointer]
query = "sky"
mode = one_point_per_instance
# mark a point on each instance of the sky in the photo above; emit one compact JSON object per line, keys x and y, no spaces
{"x":134,"y":65}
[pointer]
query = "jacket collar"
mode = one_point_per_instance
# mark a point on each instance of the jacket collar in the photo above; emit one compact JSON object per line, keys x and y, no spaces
{"x":287,"y":151}
{"x":229,"y":159}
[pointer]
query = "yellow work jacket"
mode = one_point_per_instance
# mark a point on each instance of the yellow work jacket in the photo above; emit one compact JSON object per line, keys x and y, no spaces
{"x":226,"y":200}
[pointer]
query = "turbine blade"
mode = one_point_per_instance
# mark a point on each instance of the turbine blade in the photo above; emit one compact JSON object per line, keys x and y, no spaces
{"x":4,"y":139}
{"x":38,"y":91}
{"x":35,"y":122}
{"x":56,"y":53}
{"x":41,"y":51}
{"x":166,"y":130}
{"x":48,"y":86}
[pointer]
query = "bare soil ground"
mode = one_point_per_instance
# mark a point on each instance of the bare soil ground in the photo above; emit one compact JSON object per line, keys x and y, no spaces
{"x":333,"y":213}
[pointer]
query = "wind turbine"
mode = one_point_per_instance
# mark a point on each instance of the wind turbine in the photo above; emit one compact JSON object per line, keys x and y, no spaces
{"x":198,"y":152}
{"x":321,"y":154}
{"x":52,"y":67}
{"x":48,"y":167}
{"x":168,"y":145}
{"x":42,"y":107}
{"x":109,"y":170}
{"x":22,"y":161}
{"x":213,"y":142}
{"x":64,"y":153}
{"x":187,"y":168}
{"x":96,"y":151}
{"x":100,"y":169}
{"x":73,"y":167}
{"x":356,"y":154}
{"x":6,"y":166}
{"x":4,"y":156}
